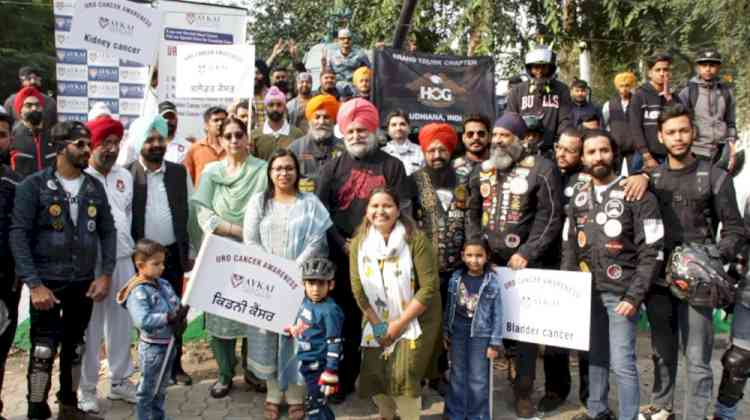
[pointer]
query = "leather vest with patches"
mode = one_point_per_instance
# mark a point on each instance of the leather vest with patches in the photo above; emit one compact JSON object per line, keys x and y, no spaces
{"x":444,"y":227}
{"x":505,"y":198}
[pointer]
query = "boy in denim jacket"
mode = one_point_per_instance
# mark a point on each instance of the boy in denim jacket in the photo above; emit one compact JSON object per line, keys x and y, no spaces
{"x":472,"y":331}
{"x":158,"y":315}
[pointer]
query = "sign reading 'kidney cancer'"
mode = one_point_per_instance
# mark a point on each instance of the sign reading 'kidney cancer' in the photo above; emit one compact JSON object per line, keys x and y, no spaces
{"x":122,"y":28}
{"x":246,"y":284}
{"x":546,"y":306}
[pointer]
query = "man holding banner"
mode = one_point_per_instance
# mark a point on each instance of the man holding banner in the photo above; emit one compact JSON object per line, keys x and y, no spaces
{"x":515,"y":203}
{"x":620,"y":243}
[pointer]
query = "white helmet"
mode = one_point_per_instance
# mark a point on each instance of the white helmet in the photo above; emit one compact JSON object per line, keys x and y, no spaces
{"x":541,"y":55}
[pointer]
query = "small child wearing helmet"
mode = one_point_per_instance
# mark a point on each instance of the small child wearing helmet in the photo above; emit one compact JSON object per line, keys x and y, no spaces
{"x":318,"y":333}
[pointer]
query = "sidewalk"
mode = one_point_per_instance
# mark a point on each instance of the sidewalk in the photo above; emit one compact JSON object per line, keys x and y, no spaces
{"x":189,"y":403}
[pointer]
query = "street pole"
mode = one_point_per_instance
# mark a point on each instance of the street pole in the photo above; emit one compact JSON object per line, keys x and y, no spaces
{"x":404,"y":24}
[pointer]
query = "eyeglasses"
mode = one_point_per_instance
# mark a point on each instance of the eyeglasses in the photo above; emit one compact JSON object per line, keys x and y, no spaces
{"x":239,"y":135}
{"x":560,"y":148}
{"x":284,"y":169}
{"x":80,"y":143}
{"x":481,"y":134}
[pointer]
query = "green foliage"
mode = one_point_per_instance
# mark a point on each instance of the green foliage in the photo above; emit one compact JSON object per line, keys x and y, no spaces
{"x":27,"y":38}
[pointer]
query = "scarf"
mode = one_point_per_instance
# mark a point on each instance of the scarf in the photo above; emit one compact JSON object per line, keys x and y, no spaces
{"x":387,"y":278}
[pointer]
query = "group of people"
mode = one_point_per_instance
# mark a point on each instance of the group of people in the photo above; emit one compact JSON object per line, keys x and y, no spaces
{"x":397,"y":232}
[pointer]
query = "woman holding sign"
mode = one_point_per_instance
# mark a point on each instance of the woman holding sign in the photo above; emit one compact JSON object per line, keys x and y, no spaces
{"x":291,"y":224}
{"x":220,"y":201}
{"x":395,"y":282}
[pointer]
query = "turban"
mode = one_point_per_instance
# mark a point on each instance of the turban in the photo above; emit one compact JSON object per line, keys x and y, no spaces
{"x":141,"y":128}
{"x":625,"y":78}
{"x":361,"y":73}
{"x":444,"y":133}
{"x":274,"y":94}
{"x":513,"y":123}
{"x":358,"y":110}
{"x":327,"y":102}
{"x":103,"y":127}
{"x":25,"y":93}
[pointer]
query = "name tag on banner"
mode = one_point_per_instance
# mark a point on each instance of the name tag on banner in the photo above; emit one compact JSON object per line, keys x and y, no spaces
{"x":546,"y":306}
{"x":246,"y":284}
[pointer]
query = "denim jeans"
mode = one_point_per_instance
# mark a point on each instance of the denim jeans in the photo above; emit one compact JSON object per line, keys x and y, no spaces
{"x":148,"y":405}
{"x":612,"y":342}
{"x":468,"y":392}
{"x":673,"y":322}
{"x":316,"y":406}
{"x":740,"y":338}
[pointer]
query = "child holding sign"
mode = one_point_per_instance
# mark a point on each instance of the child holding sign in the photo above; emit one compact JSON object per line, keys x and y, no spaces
{"x":472,"y":331}
{"x":158,"y":315}
{"x":318,"y":333}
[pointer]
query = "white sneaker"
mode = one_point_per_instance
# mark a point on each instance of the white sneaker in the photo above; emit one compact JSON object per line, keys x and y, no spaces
{"x":88,"y":402}
{"x":124,"y":391}
{"x":653,"y":413}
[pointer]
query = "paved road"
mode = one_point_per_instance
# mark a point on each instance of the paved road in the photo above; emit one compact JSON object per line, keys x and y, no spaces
{"x":188,"y":403}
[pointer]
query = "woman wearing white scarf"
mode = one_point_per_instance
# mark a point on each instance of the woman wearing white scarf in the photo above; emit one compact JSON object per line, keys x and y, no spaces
{"x":395,"y":282}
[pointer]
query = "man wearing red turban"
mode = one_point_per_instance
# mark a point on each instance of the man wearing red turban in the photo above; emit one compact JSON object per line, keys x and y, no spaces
{"x":108,"y":320}
{"x":346,"y":183}
{"x":31,"y":149}
{"x":32,"y":77}
{"x":440,"y":206}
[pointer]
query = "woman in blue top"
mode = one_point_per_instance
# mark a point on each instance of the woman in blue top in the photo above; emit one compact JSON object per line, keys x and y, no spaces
{"x":472,"y":331}
{"x":291,"y":224}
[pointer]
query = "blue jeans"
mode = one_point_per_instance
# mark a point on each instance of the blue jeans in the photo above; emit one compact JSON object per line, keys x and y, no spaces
{"x":740,"y":338}
{"x":469,"y":388}
{"x":148,"y":405}
{"x":316,"y":406}
{"x":612,"y":342}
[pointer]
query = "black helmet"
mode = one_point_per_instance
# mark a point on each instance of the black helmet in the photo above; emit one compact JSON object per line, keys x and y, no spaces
{"x":709,"y":55}
{"x":541,"y":55}
{"x":534,"y":123}
{"x":696,"y":273}
{"x":318,"y":268}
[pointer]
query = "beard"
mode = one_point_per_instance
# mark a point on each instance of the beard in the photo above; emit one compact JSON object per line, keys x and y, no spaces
{"x":154,"y":155}
{"x":599,"y":171}
{"x":275,"y":116}
{"x":503,"y":157}
{"x":361,"y":149}
{"x":106,"y":160}
{"x":77,"y":160}
{"x":322,"y":133}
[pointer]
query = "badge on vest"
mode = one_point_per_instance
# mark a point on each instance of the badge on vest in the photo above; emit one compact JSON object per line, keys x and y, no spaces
{"x":91,"y":225}
{"x":512,"y":240}
{"x":614,"y":208}
{"x":55,"y":210}
{"x":307,"y":185}
{"x":519,"y":186}
{"x":581,"y":199}
{"x":58,"y":224}
{"x":582,"y":240}
{"x":613,"y":228}
{"x":92,"y":211}
{"x":51,"y":185}
{"x":601,"y":218}
{"x":584,"y":267}
{"x":614,"y":272}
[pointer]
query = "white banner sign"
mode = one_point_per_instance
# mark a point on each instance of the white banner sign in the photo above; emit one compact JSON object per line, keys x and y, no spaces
{"x":246,"y":284}
{"x":215,"y":71}
{"x":122,"y":28}
{"x":547,"y":307}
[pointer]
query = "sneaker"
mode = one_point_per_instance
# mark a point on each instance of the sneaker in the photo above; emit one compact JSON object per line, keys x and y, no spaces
{"x":550,"y":402}
{"x":220,"y":390}
{"x":653,"y":413}
{"x":88,"y":402}
{"x":607,"y":415}
{"x":124,"y":391}
{"x":70,"y":412}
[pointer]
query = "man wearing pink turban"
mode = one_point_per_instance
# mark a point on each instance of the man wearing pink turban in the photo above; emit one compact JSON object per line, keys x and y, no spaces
{"x":276,"y":132}
{"x":108,"y":320}
{"x":345,"y":184}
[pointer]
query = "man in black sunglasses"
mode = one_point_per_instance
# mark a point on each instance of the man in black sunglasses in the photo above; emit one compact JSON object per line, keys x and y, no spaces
{"x":60,"y":217}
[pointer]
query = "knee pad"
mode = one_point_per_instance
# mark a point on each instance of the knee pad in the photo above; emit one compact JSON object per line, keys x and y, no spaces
{"x":40,"y":371}
{"x":736,"y":362}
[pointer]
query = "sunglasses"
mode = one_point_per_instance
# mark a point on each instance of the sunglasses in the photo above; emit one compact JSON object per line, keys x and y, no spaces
{"x":238,"y":135}
{"x":481,"y":134}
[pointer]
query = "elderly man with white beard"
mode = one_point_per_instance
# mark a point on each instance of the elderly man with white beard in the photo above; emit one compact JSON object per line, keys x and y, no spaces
{"x":344,"y":188}
{"x":515,"y":204}
{"x":319,"y":145}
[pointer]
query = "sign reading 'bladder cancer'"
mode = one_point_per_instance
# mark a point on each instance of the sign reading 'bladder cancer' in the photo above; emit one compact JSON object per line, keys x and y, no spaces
{"x":246,"y":284}
{"x":122,"y":28}
{"x":215,"y":71}
{"x":546,"y":307}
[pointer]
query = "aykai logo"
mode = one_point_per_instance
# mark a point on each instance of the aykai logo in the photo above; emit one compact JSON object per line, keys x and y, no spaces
{"x":116,"y":27}
{"x":436,"y":90}
{"x":252,"y":286}
{"x":237,"y":280}
{"x":206,"y":21}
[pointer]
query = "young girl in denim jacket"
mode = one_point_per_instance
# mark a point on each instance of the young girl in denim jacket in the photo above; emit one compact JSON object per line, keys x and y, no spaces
{"x":472,"y":331}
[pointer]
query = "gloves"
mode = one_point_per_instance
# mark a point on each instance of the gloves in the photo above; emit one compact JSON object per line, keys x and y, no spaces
{"x":329,"y":382}
{"x":178,"y":320}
